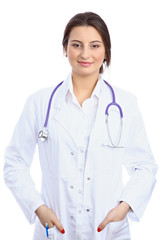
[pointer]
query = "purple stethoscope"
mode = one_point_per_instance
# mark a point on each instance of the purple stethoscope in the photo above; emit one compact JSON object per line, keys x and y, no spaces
{"x":43,"y":134}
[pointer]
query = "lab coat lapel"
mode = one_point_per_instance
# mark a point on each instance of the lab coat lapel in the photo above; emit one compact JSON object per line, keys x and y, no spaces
{"x":99,"y":130}
{"x":60,"y":110}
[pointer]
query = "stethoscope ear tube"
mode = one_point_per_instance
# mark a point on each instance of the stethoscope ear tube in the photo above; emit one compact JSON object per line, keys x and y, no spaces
{"x":114,"y":104}
{"x":109,"y":134}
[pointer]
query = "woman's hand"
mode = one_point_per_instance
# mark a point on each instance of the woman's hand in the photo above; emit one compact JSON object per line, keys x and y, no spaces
{"x":46,"y":215}
{"x":115,"y":215}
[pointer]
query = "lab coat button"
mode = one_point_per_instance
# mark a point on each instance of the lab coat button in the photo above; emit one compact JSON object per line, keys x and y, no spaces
{"x":71,"y":187}
{"x":88,"y":210}
{"x":88,"y":178}
{"x":71,"y":217}
{"x":72,"y":153}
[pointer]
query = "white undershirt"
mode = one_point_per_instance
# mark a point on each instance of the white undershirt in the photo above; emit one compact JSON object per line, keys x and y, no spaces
{"x":83,"y":117}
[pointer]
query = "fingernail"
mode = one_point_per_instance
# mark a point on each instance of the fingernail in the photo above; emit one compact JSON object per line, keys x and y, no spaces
{"x":63,"y":231}
{"x":99,"y":229}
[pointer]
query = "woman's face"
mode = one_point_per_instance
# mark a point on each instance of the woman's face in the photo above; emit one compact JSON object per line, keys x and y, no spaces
{"x":85,"y":51}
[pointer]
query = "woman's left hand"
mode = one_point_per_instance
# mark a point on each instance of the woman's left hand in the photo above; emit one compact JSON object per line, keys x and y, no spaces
{"x":115,"y":215}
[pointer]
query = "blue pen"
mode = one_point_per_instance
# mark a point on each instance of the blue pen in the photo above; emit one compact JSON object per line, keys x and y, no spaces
{"x":47,"y":230}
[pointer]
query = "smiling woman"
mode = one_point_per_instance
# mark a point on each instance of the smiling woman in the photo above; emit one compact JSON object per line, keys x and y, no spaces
{"x":85,"y":51}
{"x":82,"y":194}
{"x":98,"y":29}
{"x":87,"y":45}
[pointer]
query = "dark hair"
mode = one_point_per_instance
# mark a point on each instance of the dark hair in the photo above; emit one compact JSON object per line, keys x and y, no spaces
{"x":94,"y":20}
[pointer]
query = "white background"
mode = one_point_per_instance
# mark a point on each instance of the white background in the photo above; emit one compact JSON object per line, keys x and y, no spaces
{"x":31,"y":58}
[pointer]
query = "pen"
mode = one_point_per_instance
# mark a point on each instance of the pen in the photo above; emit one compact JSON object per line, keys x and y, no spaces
{"x":47,"y":230}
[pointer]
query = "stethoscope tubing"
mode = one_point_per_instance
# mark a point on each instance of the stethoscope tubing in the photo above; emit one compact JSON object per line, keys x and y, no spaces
{"x":43,"y":134}
{"x":49,"y":104}
{"x":113,"y":103}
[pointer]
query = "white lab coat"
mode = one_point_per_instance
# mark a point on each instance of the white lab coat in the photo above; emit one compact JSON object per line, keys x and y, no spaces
{"x":102,"y":185}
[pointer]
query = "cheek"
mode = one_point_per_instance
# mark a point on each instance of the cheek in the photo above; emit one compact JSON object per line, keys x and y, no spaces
{"x":72,"y":54}
{"x":100,"y":56}
{"x":100,"y":59}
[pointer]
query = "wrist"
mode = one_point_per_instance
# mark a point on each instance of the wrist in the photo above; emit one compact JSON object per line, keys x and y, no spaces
{"x":40,"y":209}
{"x":125,"y":206}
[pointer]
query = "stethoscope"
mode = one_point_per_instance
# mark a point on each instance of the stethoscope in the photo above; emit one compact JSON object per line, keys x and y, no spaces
{"x":43,"y":134}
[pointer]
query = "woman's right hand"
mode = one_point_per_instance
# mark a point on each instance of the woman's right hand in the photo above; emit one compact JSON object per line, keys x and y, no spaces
{"x":46,"y":215}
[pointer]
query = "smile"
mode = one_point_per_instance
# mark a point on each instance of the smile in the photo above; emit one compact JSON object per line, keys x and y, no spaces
{"x":85,"y":64}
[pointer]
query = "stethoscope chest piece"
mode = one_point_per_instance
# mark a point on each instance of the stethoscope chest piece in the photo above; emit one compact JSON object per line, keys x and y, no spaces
{"x":43,"y":134}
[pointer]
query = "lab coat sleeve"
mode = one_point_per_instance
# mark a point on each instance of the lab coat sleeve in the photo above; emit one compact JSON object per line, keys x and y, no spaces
{"x":140,"y":165}
{"x":18,"y":159}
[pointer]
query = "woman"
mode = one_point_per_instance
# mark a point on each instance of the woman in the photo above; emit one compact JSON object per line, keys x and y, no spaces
{"x":81,"y":157}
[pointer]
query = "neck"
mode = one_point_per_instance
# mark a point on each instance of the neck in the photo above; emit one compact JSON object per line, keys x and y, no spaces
{"x":84,"y":84}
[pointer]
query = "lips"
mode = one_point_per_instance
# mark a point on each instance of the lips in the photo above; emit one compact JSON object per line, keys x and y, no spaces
{"x":85,"y":64}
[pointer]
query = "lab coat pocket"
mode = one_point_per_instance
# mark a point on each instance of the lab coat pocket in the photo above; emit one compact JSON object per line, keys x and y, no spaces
{"x":51,"y":233}
{"x":54,"y":234}
{"x":40,"y":232}
{"x":118,"y":230}
{"x":108,"y":157}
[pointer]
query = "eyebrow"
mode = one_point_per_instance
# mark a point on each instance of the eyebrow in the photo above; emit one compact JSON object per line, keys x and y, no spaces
{"x":90,"y":42}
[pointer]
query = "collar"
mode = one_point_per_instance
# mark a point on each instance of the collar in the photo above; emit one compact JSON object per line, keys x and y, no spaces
{"x":69,"y":87}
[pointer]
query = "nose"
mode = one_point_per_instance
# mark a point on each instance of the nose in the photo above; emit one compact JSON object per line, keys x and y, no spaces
{"x":85,"y":53}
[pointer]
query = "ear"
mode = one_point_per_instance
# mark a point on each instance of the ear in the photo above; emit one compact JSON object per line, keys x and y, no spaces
{"x":65,"y":50}
{"x":105,"y":58}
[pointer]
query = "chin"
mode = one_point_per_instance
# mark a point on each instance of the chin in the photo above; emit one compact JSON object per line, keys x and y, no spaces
{"x":86,"y":73}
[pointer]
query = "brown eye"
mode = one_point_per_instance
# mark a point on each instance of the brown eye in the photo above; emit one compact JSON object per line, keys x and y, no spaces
{"x":95,"y":46}
{"x":76,"y":45}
